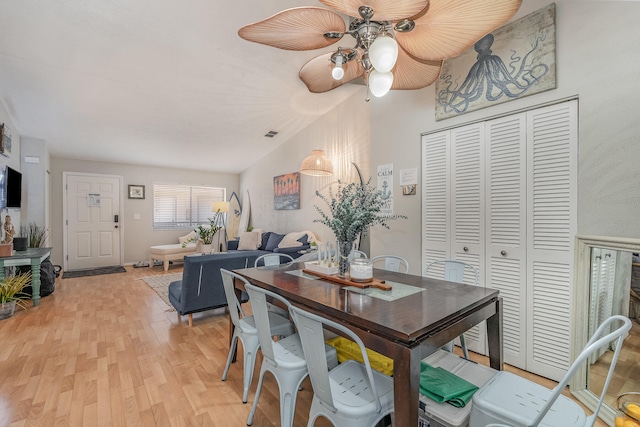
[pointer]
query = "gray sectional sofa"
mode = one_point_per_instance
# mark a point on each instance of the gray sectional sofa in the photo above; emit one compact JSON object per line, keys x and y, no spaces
{"x":201,"y":286}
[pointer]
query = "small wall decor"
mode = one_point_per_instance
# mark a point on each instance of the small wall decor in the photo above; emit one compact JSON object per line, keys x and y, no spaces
{"x":286,"y":191}
{"x":5,"y":140}
{"x":385,"y":186}
{"x":136,"y":191}
{"x":516,"y":60}
{"x":409,"y":181}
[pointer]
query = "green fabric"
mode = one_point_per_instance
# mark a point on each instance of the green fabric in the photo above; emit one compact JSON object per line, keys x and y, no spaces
{"x":443,"y":386}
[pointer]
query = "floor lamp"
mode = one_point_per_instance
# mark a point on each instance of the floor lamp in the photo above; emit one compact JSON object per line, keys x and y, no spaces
{"x":223,"y":208}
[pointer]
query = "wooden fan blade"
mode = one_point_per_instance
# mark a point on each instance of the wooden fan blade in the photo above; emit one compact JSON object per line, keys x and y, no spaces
{"x":413,"y":73}
{"x":448,"y":27}
{"x":300,"y":28}
{"x":383,"y":10}
{"x":316,"y":73}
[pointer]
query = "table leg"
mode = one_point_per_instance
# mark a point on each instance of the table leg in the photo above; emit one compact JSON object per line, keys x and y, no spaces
{"x":494,"y":337}
{"x":406,"y":386}
{"x":35,"y":280}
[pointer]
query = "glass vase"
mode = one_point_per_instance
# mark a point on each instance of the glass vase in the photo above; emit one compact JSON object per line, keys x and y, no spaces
{"x":344,"y":249}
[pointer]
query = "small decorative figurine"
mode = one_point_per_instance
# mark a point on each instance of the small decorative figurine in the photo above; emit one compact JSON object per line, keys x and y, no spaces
{"x":9,"y":230}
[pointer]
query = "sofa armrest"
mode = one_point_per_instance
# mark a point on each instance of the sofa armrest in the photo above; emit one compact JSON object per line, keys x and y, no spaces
{"x":293,"y":251}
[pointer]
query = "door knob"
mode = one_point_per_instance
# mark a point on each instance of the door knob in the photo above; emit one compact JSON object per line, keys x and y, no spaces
{"x":466,"y":249}
{"x":503,"y":253}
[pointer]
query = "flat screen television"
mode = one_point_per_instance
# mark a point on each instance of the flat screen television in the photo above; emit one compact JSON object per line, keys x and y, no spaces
{"x":10,"y":188}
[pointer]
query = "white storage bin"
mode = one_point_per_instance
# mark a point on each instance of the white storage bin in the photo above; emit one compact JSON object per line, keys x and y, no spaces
{"x":434,"y":414}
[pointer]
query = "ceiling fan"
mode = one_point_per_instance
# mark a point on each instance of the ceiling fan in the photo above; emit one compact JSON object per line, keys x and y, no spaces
{"x":399,"y":44}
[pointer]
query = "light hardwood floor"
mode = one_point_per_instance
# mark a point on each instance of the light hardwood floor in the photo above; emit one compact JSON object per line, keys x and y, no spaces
{"x":105,"y":351}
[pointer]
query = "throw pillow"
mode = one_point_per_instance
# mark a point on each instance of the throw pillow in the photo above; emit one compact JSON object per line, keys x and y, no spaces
{"x":249,"y":241}
{"x":265,"y":240}
{"x":274,"y":241}
{"x":188,"y":238}
{"x":291,"y":240}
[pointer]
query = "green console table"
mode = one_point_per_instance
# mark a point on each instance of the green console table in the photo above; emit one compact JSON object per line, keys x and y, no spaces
{"x":32,"y":257}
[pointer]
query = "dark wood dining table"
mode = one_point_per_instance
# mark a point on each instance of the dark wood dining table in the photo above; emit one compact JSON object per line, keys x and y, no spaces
{"x":406,"y":329}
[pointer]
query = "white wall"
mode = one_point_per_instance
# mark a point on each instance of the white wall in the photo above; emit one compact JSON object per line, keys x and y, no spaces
{"x":343,"y":133}
{"x":597,"y":45}
{"x":139,"y":235}
{"x":35,"y":181}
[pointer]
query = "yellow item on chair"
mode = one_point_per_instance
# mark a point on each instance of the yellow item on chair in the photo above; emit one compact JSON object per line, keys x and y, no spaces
{"x":349,"y":350}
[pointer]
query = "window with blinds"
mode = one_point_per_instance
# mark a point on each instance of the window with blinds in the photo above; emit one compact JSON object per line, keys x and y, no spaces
{"x":184,"y":206}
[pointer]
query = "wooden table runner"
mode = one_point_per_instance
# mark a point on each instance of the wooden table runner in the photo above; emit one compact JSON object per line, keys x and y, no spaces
{"x":375,"y":283}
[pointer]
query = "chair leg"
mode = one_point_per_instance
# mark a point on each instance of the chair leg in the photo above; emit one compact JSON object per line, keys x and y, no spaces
{"x":179,"y":317}
{"x":190,"y":319}
{"x":465,"y":352}
{"x":166,"y":265}
{"x":256,"y":397}
{"x":232,"y":350}
{"x":288,"y":394}
{"x":249,"y":365}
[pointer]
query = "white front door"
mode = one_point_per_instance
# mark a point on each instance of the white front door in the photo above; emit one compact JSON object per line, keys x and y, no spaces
{"x":92,"y":231}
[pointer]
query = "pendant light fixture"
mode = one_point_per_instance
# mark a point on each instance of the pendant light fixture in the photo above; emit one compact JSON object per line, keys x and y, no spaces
{"x":317,"y":165}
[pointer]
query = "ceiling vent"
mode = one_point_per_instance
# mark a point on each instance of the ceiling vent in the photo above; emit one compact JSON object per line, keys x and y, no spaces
{"x":271,"y":134}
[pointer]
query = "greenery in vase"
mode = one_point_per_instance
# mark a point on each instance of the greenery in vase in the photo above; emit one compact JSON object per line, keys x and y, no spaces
{"x":206,"y":234}
{"x":351,"y":209}
{"x":11,"y":288}
{"x":36,"y":235}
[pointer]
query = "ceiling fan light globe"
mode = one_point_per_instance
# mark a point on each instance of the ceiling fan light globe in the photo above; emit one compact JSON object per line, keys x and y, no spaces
{"x":337,"y":73}
{"x":380,"y":83}
{"x":383,"y":53}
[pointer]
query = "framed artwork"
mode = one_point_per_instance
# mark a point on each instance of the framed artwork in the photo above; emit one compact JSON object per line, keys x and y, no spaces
{"x":516,"y":60}
{"x":286,"y":191}
{"x":5,"y":140}
{"x":136,"y":191}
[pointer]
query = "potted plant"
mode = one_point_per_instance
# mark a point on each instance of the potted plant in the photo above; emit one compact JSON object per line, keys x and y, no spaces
{"x":205,"y":234}
{"x":11,"y":293}
{"x":36,"y":235}
{"x":352,"y":209}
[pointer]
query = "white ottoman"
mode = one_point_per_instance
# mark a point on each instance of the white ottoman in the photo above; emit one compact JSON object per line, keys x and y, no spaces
{"x":166,"y":253}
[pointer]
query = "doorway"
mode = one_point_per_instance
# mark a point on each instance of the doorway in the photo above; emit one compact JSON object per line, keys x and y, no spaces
{"x":91,"y":215}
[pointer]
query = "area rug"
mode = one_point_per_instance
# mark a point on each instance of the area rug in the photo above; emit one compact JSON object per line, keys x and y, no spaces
{"x":160,"y":284}
{"x":93,"y":272}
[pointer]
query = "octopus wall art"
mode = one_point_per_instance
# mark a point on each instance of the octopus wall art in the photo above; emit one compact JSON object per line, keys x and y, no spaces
{"x":516,"y":60}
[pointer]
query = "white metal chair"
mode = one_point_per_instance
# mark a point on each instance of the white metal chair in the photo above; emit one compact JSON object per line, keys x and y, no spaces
{"x":245,"y":330}
{"x":454,"y":272}
{"x":515,"y":401}
{"x":352,"y":394}
{"x":283,"y":358}
{"x":272,"y":260}
{"x":356,"y":254}
{"x":391,"y":263}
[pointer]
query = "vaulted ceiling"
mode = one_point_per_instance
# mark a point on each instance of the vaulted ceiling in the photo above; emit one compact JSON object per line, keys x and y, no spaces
{"x":157,"y":82}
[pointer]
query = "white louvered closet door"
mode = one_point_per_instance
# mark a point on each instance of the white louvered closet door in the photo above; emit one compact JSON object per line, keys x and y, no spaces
{"x":435,"y":197}
{"x":468,"y":210}
{"x":552,"y":134}
{"x":506,"y":228}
